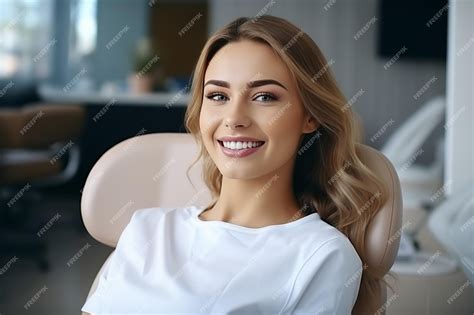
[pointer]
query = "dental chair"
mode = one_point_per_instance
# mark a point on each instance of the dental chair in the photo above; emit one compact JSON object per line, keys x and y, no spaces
{"x":150,"y":171}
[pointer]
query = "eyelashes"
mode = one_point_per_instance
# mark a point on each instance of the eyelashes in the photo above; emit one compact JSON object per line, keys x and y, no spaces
{"x":263,"y":97}
{"x":212,"y":97}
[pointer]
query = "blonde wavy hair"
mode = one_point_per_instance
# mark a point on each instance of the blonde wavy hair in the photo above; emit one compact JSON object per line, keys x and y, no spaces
{"x":328,"y":176}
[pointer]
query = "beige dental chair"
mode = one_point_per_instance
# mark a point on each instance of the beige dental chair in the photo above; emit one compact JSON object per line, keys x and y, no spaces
{"x":150,"y":171}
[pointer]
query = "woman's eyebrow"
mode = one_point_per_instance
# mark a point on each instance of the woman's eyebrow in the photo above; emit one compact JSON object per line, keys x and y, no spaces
{"x":258,"y":83}
{"x":250,"y":84}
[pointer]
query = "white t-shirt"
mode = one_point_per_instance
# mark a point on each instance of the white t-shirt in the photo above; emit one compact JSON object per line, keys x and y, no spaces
{"x":169,"y":261}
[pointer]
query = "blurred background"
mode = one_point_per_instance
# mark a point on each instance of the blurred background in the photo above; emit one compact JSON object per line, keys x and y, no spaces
{"x":79,"y":76}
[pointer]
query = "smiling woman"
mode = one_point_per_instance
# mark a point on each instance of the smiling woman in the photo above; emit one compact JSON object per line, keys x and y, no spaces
{"x":266,"y":80}
{"x":284,"y":233}
{"x":243,"y":94}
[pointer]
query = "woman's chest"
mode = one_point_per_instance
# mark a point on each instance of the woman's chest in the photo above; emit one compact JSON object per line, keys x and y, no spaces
{"x":206,"y":277}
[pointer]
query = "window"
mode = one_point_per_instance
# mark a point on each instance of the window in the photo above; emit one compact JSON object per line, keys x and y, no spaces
{"x":26,"y":38}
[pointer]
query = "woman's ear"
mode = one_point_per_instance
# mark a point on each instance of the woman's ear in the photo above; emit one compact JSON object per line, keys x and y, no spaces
{"x":310,"y":124}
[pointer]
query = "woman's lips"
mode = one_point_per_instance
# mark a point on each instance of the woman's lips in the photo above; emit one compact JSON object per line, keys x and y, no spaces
{"x":238,"y":153}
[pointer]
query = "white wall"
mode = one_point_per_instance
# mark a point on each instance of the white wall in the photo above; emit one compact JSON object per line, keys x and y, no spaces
{"x":460,"y":88}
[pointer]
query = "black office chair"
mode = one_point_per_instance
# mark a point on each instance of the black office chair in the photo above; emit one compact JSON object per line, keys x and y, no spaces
{"x":37,"y":149}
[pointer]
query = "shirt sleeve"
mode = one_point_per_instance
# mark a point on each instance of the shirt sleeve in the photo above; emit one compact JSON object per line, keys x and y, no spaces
{"x":98,"y":301}
{"x":328,"y":282}
{"x":94,"y":303}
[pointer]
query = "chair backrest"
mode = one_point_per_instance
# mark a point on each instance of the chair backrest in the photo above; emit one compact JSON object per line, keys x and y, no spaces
{"x":150,"y":171}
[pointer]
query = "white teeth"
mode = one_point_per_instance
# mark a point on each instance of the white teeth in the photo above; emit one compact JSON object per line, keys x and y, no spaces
{"x":241,"y":145}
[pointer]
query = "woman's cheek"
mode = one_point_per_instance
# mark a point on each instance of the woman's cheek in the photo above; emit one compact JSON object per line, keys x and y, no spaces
{"x":206,"y":121}
{"x":284,"y":130}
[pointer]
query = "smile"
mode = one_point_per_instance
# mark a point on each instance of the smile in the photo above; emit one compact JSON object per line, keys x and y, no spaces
{"x":240,"y":149}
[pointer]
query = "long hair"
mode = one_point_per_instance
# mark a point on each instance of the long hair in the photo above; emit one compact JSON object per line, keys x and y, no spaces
{"x":329,"y":177}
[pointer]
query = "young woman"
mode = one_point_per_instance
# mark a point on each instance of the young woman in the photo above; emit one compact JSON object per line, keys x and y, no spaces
{"x":285,"y":232}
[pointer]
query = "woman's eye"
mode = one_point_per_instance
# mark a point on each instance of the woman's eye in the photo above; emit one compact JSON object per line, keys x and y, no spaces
{"x":217,"y":97}
{"x":262,"y":97}
{"x":265,"y":97}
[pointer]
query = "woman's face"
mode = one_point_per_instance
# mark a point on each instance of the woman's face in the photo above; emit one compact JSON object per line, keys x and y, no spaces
{"x":249,"y":92}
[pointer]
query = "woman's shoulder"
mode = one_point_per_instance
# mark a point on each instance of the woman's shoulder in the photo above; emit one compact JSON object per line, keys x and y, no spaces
{"x":147,"y":220}
{"x":151,"y":214}
{"x":148,"y":224}
{"x":328,"y":239}
{"x":333,"y":261}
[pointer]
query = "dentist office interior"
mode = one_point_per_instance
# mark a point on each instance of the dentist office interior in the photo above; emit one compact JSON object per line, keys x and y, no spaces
{"x":79,"y":77}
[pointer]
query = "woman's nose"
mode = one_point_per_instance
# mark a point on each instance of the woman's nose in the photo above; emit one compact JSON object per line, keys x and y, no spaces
{"x":237,"y":115}
{"x":235,"y":124}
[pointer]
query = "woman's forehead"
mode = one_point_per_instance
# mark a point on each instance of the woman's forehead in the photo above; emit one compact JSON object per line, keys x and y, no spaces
{"x":244,"y":61}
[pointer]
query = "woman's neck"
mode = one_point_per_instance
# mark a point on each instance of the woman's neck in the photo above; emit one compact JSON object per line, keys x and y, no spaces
{"x":255,"y":203}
